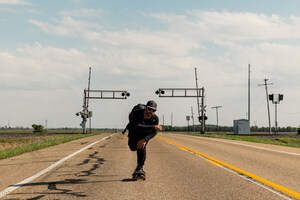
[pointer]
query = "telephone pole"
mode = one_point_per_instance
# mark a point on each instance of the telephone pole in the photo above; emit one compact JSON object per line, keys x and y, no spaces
{"x":217,"y":107}
{"x":249,"y":99}
{"x":268,"y":107}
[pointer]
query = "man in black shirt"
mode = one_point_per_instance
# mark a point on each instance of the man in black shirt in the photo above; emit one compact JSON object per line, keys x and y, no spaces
{"x":142,"y":128}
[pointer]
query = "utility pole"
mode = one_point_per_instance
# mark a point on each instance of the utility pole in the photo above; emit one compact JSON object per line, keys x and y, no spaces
{"x":266,"y":84}
{"x":172,"y":119}
{"x":217,"y":107}
{"x":249,"y":99}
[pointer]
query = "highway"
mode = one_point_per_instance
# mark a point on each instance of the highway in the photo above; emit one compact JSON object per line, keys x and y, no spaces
{"x":178,"y":167}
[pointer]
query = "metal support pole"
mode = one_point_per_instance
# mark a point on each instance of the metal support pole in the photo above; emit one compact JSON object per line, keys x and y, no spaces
{"x":202,"y":113}
{"x":84,"y":116}
{"x":193,"y":119}
{"x":217,"y":108}
{"x":172,"y":119}
{"x":276,"y":123}
{"x":90,"y":124}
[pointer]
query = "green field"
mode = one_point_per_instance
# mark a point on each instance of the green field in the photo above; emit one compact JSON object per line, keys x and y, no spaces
{"x":283,"y":139}
{"x":16,"y":142}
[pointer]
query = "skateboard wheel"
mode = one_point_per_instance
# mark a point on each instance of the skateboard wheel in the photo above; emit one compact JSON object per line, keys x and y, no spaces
{"x":134,"y":178}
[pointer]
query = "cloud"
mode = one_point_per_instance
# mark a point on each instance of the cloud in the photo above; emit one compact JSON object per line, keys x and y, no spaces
{"x":214,"y":26}
{"x":66,"y":27}
{"x":41,"y":67}
{"x":14,"y":2}
{"x":219,"y":44}
{"x":214,"y":41}
{"x":83,"y":13}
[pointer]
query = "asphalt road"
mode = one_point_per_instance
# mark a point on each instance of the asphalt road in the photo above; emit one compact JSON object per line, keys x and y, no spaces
{"x":103,"y":170}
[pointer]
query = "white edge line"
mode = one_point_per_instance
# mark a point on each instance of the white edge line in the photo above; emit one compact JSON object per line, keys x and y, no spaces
{"x":22,"y":183}
{"x":252,"y":181}
{"x":247,"y":145}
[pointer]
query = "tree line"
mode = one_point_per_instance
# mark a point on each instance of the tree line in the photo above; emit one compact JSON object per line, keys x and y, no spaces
{"x":214,"y":128}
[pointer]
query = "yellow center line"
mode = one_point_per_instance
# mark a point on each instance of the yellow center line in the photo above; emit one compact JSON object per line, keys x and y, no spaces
{"x":269,"y":183}
{"x":211,"y":162}
{"x":182,"y":149}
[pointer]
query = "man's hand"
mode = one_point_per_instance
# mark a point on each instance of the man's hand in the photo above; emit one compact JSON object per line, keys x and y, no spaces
{"x":141,"y":144}
{"x":158,"y":127}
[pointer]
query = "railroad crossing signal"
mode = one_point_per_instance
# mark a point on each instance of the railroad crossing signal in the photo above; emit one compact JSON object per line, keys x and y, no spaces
{"x":179,"y":92}
{"x":109,"y":94}
{"x":276,"y":98}
{"x":102,"y":94}
{"x":186,"y":92}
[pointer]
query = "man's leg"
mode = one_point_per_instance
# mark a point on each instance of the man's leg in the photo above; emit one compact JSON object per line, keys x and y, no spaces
{"x":141,"y":157}
{"x":132,"y":143}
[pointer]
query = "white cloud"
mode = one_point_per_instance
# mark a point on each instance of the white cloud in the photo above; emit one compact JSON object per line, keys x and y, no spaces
{"x":15,"y":2}
{"x":66,"y":27}
{"x":83,"y":13}
{"x":41,"y":67}
{"x":214,"y":26}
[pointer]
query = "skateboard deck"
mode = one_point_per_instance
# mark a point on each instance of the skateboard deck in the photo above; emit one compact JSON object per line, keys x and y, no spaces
{"x":138,"y":175}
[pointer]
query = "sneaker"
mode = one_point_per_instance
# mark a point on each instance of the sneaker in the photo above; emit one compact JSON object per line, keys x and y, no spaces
{"x":139,"y":169}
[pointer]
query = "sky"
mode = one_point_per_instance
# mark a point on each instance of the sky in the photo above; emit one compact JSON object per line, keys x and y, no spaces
{"x":48,"y":46}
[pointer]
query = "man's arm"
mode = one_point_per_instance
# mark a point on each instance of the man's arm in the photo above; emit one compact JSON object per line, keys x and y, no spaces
{"x":157,"y":127}
{"x":142,"y":142}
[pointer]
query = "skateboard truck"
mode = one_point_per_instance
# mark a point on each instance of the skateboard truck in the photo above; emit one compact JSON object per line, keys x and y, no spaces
{"x":138,"y":175}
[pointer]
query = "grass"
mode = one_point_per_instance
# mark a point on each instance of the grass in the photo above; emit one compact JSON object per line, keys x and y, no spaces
{"x":21,"y":144}
{"x":14,"y":143}
{"x":283,"y":141}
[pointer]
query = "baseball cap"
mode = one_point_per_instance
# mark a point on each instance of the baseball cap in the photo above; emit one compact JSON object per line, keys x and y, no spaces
{"x":152,"y":104}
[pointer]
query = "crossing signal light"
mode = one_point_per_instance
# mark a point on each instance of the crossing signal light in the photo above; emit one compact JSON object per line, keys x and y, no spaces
{"x":125,"y":93}
{"x":201,"y":117}
{"x":160,"y":92}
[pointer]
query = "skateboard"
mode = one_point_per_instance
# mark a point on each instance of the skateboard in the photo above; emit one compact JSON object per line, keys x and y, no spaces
{"x":138,"y":175}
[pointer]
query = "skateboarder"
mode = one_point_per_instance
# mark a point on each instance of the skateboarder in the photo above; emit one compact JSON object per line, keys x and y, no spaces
{"x":142,"y":127}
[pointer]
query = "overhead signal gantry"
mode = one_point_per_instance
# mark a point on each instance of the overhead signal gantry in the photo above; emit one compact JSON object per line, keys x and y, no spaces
{"x":188,"y":92}
{"x":102,"y":94}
